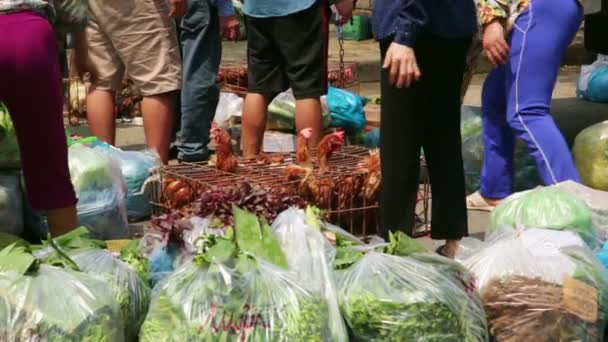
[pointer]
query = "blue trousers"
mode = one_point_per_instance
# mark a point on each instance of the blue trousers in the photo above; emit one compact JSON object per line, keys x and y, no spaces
{"x":516,"y":98}
{"x":202,"y":52}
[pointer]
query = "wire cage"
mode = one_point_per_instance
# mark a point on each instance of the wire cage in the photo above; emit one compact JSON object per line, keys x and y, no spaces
{"x":233,"y":78}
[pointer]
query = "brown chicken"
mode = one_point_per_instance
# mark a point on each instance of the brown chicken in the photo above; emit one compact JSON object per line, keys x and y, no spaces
{"x":371,"y":166}
{"x":226,"y":160}
{"x":302,"y":152}
{"x":328,"y":145}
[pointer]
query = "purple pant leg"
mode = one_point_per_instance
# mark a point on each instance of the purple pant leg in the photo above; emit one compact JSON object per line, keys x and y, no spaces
{"x":31,"y":89}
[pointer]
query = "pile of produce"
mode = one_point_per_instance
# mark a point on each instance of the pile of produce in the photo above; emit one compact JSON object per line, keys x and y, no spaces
{"x":236,"y":289}
{"x":9,"y":149}
{"x":550,"y":208}
{"x":101,"y":192}
{"x":408,"y":295}
{"x":541,"y":285}
{"x":129,"y":290}
{"x":591,"y":155}
{"x":282,"y":113}
{"x":136,"y":168}
{"x":593,"y":81}
{"x":42,"y":302}
{"x":526,"y":174}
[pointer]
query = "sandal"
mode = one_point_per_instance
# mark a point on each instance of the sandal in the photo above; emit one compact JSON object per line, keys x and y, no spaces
{"x":477,"y":202}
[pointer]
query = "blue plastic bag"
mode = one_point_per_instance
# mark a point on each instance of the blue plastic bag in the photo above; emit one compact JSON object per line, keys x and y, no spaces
{"x":603,"y":255}
{"x":346,"y":109}
{"x":593,"y":82}
{"x":372,"y":138}
{"x":135,"y":167}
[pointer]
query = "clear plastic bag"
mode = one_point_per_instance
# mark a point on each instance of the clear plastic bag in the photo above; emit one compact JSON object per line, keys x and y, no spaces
{"x":91,"y":169}
{"x":130,"y":291}
{"x":526,"y":280}
{"x":311,"y":256}
{"x":591,"y":155}
{"x":253,"y":301}
{"x":282,"y":113}
{"x":549,"y":208}
{"x":11,"y":203}
{"x":596,"y":200}
{"x":53,"y":304}
{"x":228,"y":106}
{"x":136,"y":168}
{"x":593,"y":81}
{"x":9,"y":148}
{"x":391,"y":298}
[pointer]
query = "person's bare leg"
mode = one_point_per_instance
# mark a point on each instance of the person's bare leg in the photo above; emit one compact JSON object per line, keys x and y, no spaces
{"x":100,"y":115}
{"x":158,"y":112}
{"x":309,"y":115}
{"x":62,"y":221}
{"x":451,"y":248}
{"x":254,"y":124}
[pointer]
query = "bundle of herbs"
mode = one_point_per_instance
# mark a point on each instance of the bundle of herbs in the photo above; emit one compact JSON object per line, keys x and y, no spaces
{"x":398,"y":292}
{"x":55,"y":302}
{"x":237,"y":288}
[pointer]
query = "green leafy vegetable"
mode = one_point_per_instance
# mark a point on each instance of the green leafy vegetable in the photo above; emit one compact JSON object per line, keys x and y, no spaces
{"x":257,"y":239}
{"x":131,"y":255}
{"x":403,"y":245}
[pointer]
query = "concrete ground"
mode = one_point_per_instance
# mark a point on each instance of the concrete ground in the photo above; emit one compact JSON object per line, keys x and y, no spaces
{"x":571,"y":114}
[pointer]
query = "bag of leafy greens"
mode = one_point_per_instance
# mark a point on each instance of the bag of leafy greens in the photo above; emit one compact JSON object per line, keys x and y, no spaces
{"x":9,"y":148}
{"x":42,"y":302}
{"x":540,"y":285}
{"x":405,"y":294}
{"x":311,"y":255}
{"x":237,"y":289}
{"x":549,"y":208}
{"x":591,"y":155}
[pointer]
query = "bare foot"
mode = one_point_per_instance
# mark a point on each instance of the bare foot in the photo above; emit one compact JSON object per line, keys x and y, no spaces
{"x":451,"y":248}
{"x":493,"y":202}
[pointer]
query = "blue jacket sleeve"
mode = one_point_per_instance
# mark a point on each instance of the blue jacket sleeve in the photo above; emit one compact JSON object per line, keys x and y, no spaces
{"x":412,"y":18}
{"x":224,"y":8}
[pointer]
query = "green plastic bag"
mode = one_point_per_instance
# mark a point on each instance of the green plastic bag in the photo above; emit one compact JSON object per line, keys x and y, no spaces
{"x":9,"y":149}
{"x":548,"y":208}
{"x":591,"y":155}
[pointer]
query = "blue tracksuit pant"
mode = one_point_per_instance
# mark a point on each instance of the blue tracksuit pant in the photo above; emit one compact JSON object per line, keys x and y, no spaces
{"x":516,"y":98}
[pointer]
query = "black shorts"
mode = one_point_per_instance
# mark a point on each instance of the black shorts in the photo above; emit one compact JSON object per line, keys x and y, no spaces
{"x":290,"y":51}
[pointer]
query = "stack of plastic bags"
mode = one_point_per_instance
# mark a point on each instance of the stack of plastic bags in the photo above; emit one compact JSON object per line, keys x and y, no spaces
{"x":593,"y":82}
{"x":591,"y":155}
{"x":539,"y":285}
{"x":526,"y":174}
{"x":136,"y":168}
{"x":54,"y":302}
{"x":101,"y":192}
{"x":403,"y":293}
{"x":237,"y":288}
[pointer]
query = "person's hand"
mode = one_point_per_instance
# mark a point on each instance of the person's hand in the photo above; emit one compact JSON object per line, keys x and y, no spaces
{"x":230,"y":27}
{"x":345,"y":10}
{"x":178,"y":8}
{"x":401,"y":62}
{"x":494,"y":43}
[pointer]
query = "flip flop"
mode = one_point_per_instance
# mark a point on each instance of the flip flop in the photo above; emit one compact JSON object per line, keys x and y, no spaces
{"x":477,"y":202}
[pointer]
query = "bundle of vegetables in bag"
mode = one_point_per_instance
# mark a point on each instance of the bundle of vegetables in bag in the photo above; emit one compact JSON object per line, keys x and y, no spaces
{"x":46,"y":302}
{"x":9,"y":149}
{"x":593,"y":81}
{"x":549,"y":208}
{"x":236,"y":289}
{"x":540,"y":285}
{"x":101,"y":193}
{"x":591,"y":155}
{"x":11,"y":203}
{"x":282,"y":113}
{"x":405,"y":294}
{"x":311,"y":255}
{"x":526,"y":174}
{"x":136,"y":169}
{"x":129,"y":290}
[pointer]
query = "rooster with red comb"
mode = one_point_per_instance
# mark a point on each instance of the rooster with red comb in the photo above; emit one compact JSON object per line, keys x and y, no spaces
{"x":328,"y":145}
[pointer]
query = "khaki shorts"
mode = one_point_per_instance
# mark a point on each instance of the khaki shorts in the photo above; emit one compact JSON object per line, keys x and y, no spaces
{"x":136,"y":36}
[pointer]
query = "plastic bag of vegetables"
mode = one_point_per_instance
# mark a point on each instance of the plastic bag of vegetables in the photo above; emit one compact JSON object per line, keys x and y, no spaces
{"x":9,"y":148}
{"x":591,"y":155}
{"x":541,"y":285}
{"x":387,"y":297}
{"x":91,"y":169}
{"x":41,"y":302}
{"x":136,"y":168}
{"x":282,"y":113}
{"x":236,"y":289}
{"x":11,"y":203}
{"x":549,"y":208}
{"x":593,"y":82}
{"x":311,"y":255}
